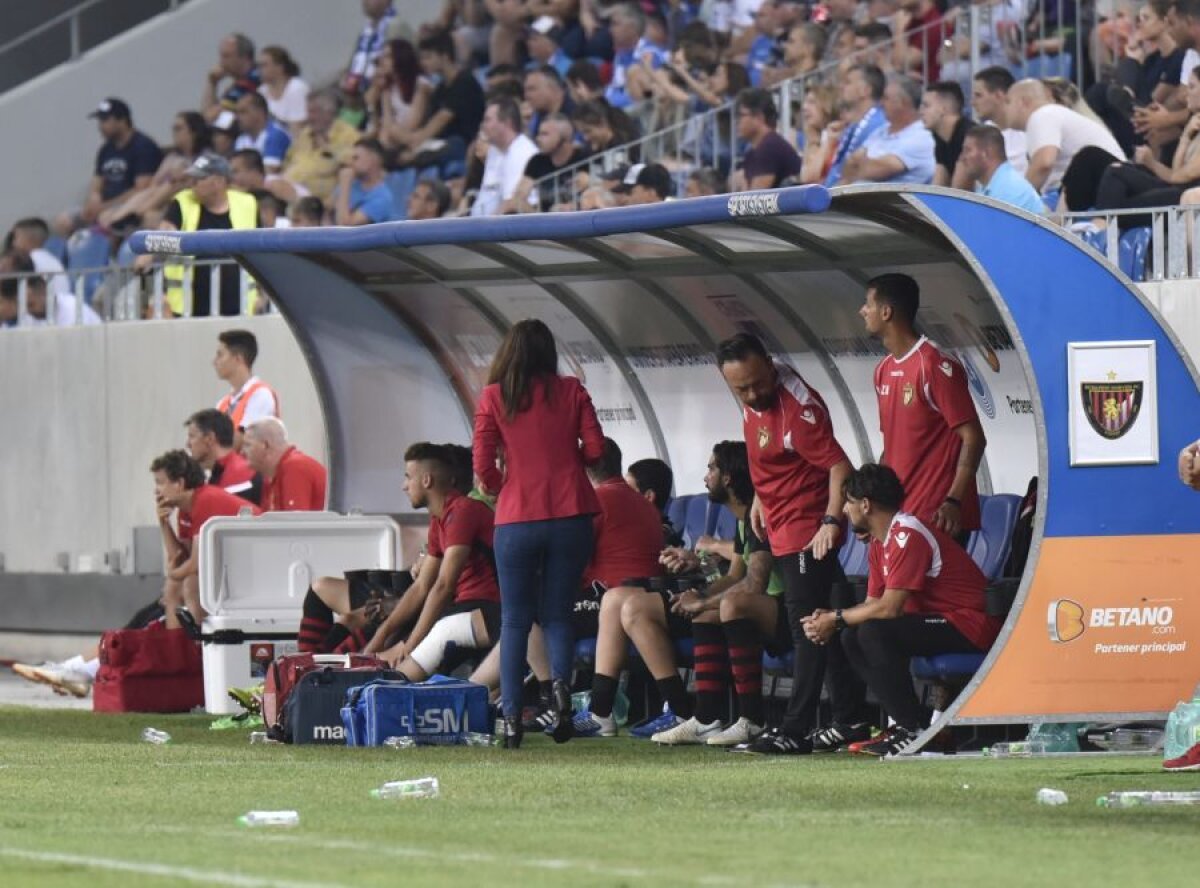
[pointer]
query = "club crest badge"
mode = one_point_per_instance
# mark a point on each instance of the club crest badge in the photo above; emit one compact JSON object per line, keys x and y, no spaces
{"x":908,"y":393}
{"x":764,"y":437}
{"x":1111,"y":407}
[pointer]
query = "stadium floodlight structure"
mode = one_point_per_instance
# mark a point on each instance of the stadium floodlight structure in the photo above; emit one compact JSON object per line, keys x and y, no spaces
{"x":1076,"y":378}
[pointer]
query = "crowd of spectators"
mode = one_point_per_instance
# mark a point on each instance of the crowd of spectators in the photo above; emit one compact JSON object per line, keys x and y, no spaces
{"x":525,"y":106}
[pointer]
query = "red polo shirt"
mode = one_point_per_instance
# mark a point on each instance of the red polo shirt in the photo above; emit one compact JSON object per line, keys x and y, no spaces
{"x":208,"y":502}
{"x":297,"y":486}
{"x":629,"y":536}
{"x":233,"y":474}
{"x":467,"y":522}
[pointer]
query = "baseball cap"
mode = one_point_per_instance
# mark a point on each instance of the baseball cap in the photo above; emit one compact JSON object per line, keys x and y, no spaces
{"x":208,"y":164}
{"x":112,"y":107}
{"x":656,"y":177}
{"x":226,"y":122}
{"x":629,"y":179}
{"x":547,"y":26}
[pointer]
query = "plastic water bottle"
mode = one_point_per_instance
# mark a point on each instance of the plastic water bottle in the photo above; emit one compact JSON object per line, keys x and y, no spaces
{"x":258,"y":737}
{"x":270,"y":818}
{"x":1018,"y":749}
{"x":155,"y":736}
{"x":1128,"y":739}
{"x":1144,"y":799}
{"x":472,"y":738}
{"x":403,"y":742}
{"x":421,"y":788}
{"x":1052,"y":797}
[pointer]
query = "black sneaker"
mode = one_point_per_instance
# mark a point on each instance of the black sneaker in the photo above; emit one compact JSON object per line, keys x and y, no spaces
{"x":540,"y":720}
{"x":838,"y":736}
{"x":776,"y":742}
{"x":893,"y":741}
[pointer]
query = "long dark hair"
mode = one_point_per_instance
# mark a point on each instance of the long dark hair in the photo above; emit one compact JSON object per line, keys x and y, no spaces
{"x":527,"y":354}
{"x":283,"y":59}
{"x":198,"y":127}
{"x":405,"y":67}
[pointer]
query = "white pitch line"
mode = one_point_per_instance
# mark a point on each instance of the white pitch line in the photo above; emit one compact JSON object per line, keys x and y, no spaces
{"x":210,"y":877}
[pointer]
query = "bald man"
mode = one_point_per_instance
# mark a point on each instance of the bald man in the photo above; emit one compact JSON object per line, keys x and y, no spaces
{"x":292,"y":481}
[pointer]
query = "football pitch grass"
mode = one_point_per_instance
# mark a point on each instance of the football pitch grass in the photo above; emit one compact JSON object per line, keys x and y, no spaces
{"x":86,"y":803}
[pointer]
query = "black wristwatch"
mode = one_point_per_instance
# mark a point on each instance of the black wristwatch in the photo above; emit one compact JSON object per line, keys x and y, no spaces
{"x":839,"y":621}
{"x":830,"y":519}
{"x":954,"y":501}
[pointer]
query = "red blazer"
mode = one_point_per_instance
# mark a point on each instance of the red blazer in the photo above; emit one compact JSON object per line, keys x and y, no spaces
{"x":544,"y":475}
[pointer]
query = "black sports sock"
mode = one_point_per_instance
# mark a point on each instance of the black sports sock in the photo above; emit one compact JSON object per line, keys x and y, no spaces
{"x":604,"y":692}
{"x":334,"y":637}
{"x":354,"y":642}
{"x":546,"y":693}
{"x":315,"y":623}
{"x":675,"y":694}
{"x":712,"y":670}
{"x":745,"y":660}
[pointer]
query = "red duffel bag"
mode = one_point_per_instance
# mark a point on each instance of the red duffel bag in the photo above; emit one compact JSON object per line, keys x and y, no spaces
{"x":148,"y":670}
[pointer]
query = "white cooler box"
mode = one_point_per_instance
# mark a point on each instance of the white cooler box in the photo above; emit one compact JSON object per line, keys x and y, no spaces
{"x":254,"y":573}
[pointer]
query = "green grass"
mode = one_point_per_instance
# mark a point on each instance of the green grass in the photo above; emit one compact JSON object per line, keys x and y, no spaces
{"x":598,"y":812}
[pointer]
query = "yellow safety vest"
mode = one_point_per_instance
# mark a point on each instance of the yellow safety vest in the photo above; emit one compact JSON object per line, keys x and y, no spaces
{"x":243,"y":213}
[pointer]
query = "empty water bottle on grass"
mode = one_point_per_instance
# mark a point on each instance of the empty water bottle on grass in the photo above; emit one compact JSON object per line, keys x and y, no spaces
{"x":155,"y":736}
{"x":1147,"y":799}
{"x":421,"y":788}
{"x":270,"y":818}
{"x":1052,"y":797}
{"x":1127,"y":739}
{"x":402,"y":742}
{"x":1018,"y":749}
{"x":1183,"y":727}
{"x":473,"y":738}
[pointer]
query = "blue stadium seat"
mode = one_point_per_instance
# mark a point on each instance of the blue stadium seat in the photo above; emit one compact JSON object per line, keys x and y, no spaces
{"x":1133,"y":246}
{"x":853,"y":556}
{"x":696,"y":519}
{"x":946,"y":668}
{"x":585,"y":651}
{"x":778,"y":665}
{"x":87,"y":249}
{"x":721,"y":523}
{"x":677,"y":511}
{"x":989,"y":546}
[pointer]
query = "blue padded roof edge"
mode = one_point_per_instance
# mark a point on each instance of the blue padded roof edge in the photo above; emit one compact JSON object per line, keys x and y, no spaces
{"x":549,"y":226}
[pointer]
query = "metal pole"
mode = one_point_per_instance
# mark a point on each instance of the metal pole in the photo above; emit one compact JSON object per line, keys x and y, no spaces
{"x":214,"y":290}
{"x":73,"y":27}
{"x":189,"y":276}
{"x":22,"y":305}
{"x":244,"y":291}
{"x":157,"y":297}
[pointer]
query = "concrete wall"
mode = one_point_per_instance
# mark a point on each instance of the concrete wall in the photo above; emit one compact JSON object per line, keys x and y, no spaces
{"x":159,"y":68}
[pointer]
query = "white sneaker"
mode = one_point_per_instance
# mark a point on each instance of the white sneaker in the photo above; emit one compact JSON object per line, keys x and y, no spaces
{"x":688,"y":733}
{"x":741,"y":731}
{"x":58,"y":676}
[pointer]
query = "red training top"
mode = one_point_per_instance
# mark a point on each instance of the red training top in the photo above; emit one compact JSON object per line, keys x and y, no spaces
{"x":629,"y":536}
{"x":467,"y":522}
{"x":791,"y":449}
{"x":544,"y":476}
{"x":923,"y":398}
{"x":233,"y":474}
{"x":207,"y":502}
{"x":938,"y":574}
{"x":298,"y":484}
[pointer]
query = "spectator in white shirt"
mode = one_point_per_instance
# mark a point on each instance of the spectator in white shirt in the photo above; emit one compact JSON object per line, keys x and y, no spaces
{"x":508,"y":154}
{"x":29,"y":236}
{"x":38,"y":313}
{"x":285,"y":92}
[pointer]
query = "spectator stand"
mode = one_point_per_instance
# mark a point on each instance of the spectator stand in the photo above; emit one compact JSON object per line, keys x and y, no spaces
{"x":1160,"y":251}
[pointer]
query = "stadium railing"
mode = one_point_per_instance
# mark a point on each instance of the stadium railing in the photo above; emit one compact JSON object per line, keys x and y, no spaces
{"x":1164,"y":250}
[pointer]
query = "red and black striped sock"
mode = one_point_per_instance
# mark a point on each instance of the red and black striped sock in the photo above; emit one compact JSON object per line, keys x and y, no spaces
{"x":354,"y":642}
{"x":315,"y":623}
{"x":745,"y":660}
{"x":712,"y":671}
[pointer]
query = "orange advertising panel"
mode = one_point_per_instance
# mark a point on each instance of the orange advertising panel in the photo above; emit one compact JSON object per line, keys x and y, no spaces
{"x":1111,"y":625}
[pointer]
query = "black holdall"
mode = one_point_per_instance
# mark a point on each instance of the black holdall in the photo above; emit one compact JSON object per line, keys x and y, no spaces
{"x":313,"y":711}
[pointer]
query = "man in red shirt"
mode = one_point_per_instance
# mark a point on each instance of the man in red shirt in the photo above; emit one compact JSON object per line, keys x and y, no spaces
{"x":293,"y":481}
{"x":210,"y":435}
{"x":629,"y":539}
{"x":918,"y":32}
{"x":925,"y":596}
{"x":931,"y":433}
{"x":798,"y":469}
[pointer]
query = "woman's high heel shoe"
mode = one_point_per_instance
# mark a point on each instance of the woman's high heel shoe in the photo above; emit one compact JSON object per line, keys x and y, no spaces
{"x":564,"y":728}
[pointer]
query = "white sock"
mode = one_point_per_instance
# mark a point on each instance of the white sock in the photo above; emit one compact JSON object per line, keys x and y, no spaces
{"x":75,"y":664}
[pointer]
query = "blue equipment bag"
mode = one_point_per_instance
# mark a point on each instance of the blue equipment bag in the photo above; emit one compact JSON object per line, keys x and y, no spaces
{"x":438,"y":711}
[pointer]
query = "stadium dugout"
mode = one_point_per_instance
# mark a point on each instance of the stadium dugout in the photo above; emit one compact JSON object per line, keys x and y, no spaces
{"x":1076,"y":378}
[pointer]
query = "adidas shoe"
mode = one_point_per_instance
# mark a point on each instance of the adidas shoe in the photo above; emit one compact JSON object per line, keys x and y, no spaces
{"x":587,"y":724}
{"x":740,"y":732}
{"x":656,"y":725}
{"x":1189,"y":761}
{"x":837,"y":736}
{"x":893,"y":741}
{"x":688,"y":733}
{"x":778,"y":743}
{"x":540,"y":719}
{"x":58,"y":676}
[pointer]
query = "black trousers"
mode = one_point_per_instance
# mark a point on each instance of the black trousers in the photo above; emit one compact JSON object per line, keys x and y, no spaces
{"x":1127,"y":186}
{"x":807,"y":586}
{"x":1081,"y":180}
{"x":880,"y":651}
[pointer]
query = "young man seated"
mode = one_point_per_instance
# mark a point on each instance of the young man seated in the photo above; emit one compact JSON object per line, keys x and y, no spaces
{"x":925,"y":596}
{"x":653,"y":479}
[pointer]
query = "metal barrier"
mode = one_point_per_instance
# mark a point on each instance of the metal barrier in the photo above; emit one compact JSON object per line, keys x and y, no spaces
{"x":119,"y":293}
{"x":1163,"y":250}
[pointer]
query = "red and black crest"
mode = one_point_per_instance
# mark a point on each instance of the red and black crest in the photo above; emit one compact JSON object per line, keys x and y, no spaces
{"x":1111,"y":407}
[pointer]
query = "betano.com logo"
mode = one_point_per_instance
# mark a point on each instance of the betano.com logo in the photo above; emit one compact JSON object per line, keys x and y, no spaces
{"x":1065,"y":619}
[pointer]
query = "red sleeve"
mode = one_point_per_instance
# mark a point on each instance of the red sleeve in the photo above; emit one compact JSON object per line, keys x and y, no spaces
{"x":875,"y":584}
{"x":297,"y":489}
{"x":908,"y":561}
{"x":948,"y":389}
{"x":485,"y":444}
{"x":434,"y":543}
{"x":462,"y":526}
{"x":590,"y":432}
{"x":814,"y":441}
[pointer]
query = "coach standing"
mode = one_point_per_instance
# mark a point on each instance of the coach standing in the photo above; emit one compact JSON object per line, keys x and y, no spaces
{"x":544,"y":508}
{"x":798,"y":469}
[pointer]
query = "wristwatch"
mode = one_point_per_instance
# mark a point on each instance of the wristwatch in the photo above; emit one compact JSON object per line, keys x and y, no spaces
{"x":839,"y":621}
{"x":830,"y":519}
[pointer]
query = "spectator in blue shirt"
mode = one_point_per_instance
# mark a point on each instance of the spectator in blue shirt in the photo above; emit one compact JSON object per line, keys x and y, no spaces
{"x":900,"y":152}
{"x":260,"y":132}
{"x":363,"y":196}
{"x":543,"y":41}
{"x":862,"y":89}
{"x":634,"y":59}
{"x":983,"y":157}
{"x":371,"y":41}
{"x":764,"y":51}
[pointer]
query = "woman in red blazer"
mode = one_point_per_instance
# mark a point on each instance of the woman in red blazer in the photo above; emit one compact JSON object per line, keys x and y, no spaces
{"x":547,"y":429}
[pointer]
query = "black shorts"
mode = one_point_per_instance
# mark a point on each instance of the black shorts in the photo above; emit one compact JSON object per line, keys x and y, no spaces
{"x":585,"y":613}
{"x":489,"y":609}
{"x":677,"y":627}
{"x":780,"y":641}
{"x":365,"y":584}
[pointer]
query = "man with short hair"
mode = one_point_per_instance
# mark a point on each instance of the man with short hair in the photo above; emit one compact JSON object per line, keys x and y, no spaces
{"x":125,"y":163}
{"x":249,"y":398}
{"x":455,"y":108}
{"x":307,"y":212}
{"x":982,"y":161}
{"x":989,"y":102}
{"x":634,"y":57}
{"x":942,"y":114}
{"x":210,"y":438}
{"x":769,"y":160}
{"x":260,"y":132}
{"x":363,"y":196}
{"x":1053,"y":134}
{"x":557,"y":150}
{"x":900,"y":152}
{"x":652,"y":184}
{"x":318,"y":151}
{"x":925,"y":596}
{"x":509,"y":152}
{"x":68,"y":310}
{"x":798,"y":469}
{"x":546,"y":94}
{"x":932,"y":437}
{"x":246,"y":171}
{"x":235,"y":63}
{"x":292,"y":481}
{"x":29,"y":236}
{"x":429,"y":199}
{"x":861,"y":92}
